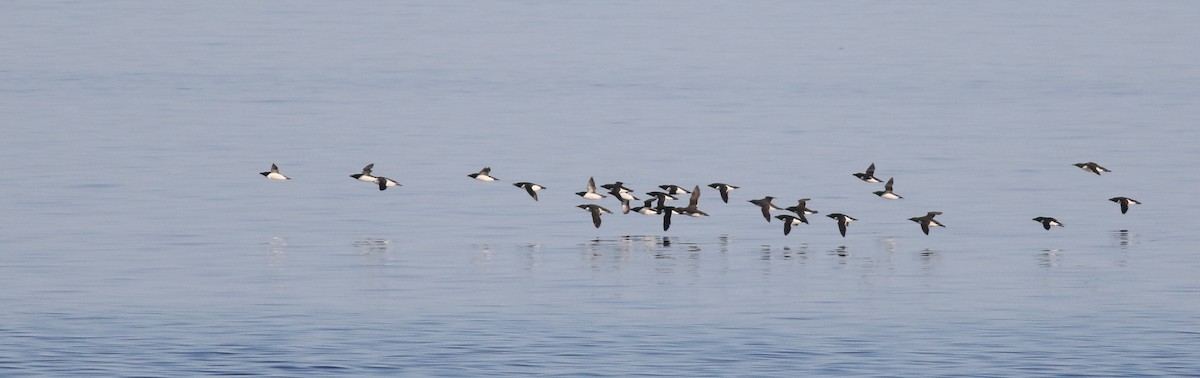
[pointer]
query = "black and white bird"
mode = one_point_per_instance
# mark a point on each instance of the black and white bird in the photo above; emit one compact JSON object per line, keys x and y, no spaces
{"x":591,"y":191}
{"x":927,"y":221}
{"x":274,"y":174}
{"x":647,"y":208}
{"x":869,"y":175}
{"x":724,"y":189}
{"x":1092,"y":167}
{"x":385,"y":182}
{"x":617,"y":186}
{"x":843,"y":221}
{"x":530,"y":188}
{"x":484,"y":174}
{"x":620,"y":191}
{"x":887,"y":191}
{"x":382,"y":182}
{"x":673,"y":189}
{"x":366,"y":174}
{"x":801,"y":208}
{"x":1048,"y":222}
{"x":661,"y":197}
{"x":789,"y":221}
{"x":596,"y":210}
{"x":766,"y":206}
{"x":1125,"y":202}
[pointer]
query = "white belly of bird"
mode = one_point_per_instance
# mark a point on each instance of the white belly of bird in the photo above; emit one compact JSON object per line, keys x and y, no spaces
{"x":890,"y":196}
{"x":276,"y":176}
{"x":592,"y":196}
{"x":367,"y":178}
{"x":485,"y":178}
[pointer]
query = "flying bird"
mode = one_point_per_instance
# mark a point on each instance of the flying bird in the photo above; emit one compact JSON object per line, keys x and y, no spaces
{"x":484,"y":174}
{"x":530,"y":188}
{"x":869,"y":175}
{"x":887,"y":191}
{"x":596,"y":210}
{"x":1092,"y":167}
{"x":843,"y":221}
{"x":1048,"y":222}
{"x":274,"y":174}
{"x":1125,"y":202}
{"x":724,"y":189}
{"x":366,"y":174}
{"x":766,"y":206}
{"x":927,"y":221}
{"x":591,"y":191}
{"x":789,"y":221}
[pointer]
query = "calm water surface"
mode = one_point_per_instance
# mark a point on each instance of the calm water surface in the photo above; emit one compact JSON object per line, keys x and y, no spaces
{"x":139,"y":240}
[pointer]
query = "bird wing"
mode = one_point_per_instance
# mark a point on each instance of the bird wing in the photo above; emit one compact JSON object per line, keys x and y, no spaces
{"x":667,"y":218}
{"x":532,"y":193}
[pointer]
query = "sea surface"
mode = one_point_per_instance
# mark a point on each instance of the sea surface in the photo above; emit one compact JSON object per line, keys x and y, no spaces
{"x":137,"y":237}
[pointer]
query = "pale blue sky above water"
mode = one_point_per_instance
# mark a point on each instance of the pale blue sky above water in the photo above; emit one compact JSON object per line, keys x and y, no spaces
{"x":133,"y":133}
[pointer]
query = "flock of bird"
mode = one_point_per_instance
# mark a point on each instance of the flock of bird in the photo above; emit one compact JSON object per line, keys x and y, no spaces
{"x":656,"y":204}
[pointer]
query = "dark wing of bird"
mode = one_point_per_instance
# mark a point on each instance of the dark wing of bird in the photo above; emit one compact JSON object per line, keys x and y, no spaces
{"x":532,"y":193}
{"x":595,"y":216}
{"x":667,"y":217}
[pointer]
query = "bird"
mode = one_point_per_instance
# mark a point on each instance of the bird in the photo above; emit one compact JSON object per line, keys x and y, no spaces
{"x":596,"y":210}
{"x":724,"y":189}
{"x":1092,"y":167}
{"x":766,"y":206}
{"x":692,"y":208}
{"x":661,"y":197}
{"x":789,"y":221}
{"x":366,"y":174}
{"x":591,"y":191}
{"x":484,"y":174}
{"x":385,"y":182}
{"x":646,"y":209}
{"x":1125,"y":202}
{"x":1048,"y":222}
{"x":530,"y":188}
{"x":621,"y":192}
{"x":887,"y":191}
{"x":625,"y":206}
{"x":274,"y":174}
{"x":843,"y":221}
{"x":869,"y":175}
{"x":674,"y":189}
{"x":616,"y":187}
{"x":927,"y":221}
{"x":801,"y":208}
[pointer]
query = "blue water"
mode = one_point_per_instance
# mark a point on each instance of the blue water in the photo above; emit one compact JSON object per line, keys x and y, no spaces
{"x":137,"y":238}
